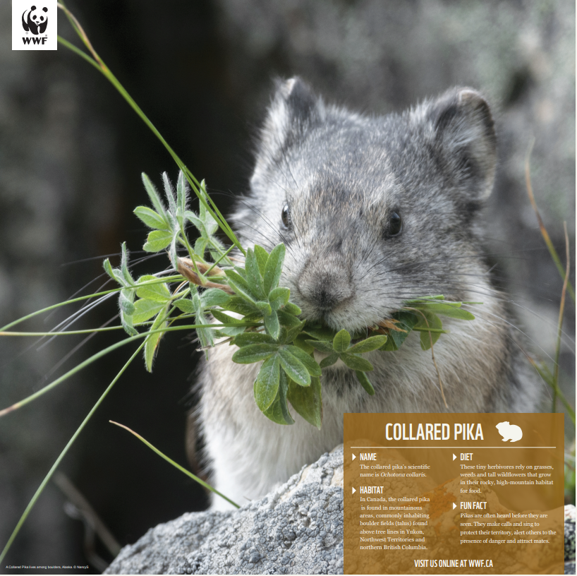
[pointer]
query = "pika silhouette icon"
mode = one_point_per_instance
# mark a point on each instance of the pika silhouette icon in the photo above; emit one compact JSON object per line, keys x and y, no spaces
{"x":509,"y":431}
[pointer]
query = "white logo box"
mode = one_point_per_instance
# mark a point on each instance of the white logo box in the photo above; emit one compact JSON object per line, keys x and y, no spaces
{"x":34,"y":25}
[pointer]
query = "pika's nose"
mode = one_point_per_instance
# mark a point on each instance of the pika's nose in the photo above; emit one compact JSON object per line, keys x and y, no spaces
{"x":325,"y":285}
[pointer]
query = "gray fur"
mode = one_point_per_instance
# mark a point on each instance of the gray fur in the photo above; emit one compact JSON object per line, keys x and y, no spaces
{"x":342,"y":176}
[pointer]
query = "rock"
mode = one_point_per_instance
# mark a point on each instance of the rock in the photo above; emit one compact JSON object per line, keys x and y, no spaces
{"x":297,"y":529}
{"x":570,"y":539}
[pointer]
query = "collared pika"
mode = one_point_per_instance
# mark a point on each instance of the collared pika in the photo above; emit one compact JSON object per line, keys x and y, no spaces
{"x":373,"y":211}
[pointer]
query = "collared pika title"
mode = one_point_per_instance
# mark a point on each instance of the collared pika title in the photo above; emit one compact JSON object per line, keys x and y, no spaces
{"x":433,"y":431}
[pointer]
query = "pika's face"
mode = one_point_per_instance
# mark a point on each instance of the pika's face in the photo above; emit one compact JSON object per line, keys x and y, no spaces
{"x":373,"y":211}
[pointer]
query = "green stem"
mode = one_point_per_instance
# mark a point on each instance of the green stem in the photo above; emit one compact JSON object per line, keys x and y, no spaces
{"x":556,"y":389}
{"x":222,"y":254}
{"x":178,"y":466}
{"x":62,"y":454}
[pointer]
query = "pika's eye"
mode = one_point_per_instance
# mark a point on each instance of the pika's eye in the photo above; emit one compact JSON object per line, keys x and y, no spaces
{"x":394,"y":225}
{"x":286,"y":217}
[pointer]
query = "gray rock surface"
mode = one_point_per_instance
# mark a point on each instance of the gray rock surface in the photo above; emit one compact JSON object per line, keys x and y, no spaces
{"x":570,"y":515}
{"x":297,"y":529}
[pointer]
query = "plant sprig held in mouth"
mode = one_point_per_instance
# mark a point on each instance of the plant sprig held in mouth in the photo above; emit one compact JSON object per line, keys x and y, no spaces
{"x":264,"y":325}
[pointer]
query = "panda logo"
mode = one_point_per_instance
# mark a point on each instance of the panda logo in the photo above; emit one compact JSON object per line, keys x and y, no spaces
{"x":35,"y":21}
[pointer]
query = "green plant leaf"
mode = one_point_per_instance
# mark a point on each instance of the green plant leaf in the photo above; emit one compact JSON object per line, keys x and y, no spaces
{"x":252,"y":338}
{"x":183,"y":304}
{"x":108,"y":269}
{"x":449,"y":309}
{"x":152,"y":341}
{"x":229,"y":331}
{"x":157,"y":240}
{"x":424,"y":298}
{"x":341,"y":341}
{"x":239,"y":305}
{"x":173,"y":254}
{"x":181,"y":194}
{"x":322,"y":346}
{"x":329,"y":360}
{"x":278,"y":297}
{"x":273,"y":268}
{"x":261,"y":257}
{"x":356,"y":362}
{"x":146,"y":309}
{"x":264,"y":307}
{"x":288,"y":320}
{"x":240,"y":286}
{"x":294,"y":368}
{"x":226,"y":319}
{"x":309,"y":362}
{"x":158,"y":292}
{"x":267,"y":384}
{"x":125,"y":302}
{"x":124,"y":266}
{"x":253,"y":276}
{"x":320,"y":332}
{"x":406,"y":320}
{"x":368,"y":345}
{"x":154,"y":197}
{"x":431,"y":329}
{"x":151,"y":218}
{"x":390,"y":345}
{"x":272,"y":325}
{"x":254,"y":353}
{"x":200,"y":246}
{"x":293,"y":309}
{"x":214,"y":297}
{"x":169,"y":193}
{"x":210,"y":224}
{"x":302,"y":342}
{"x":197,"y":223}
{"x":241,"y":272}
{"x":365,"y":382}
{"x":293,"y":332}
{"x":307,"y":401}
{"x":278,"y":411}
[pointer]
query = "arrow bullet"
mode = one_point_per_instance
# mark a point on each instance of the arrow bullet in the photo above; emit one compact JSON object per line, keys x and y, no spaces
{"x":354,"y":490}
{"x":354,"y":456}
{"x":454,"y":457}
{"x":454,"y":505}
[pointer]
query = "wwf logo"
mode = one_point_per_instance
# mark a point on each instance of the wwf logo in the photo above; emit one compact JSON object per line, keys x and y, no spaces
{"x":34,"y":24}
{"x":35,"y":20}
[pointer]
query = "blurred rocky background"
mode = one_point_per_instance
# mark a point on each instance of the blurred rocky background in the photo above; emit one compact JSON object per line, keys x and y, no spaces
{"x":71,"y":154}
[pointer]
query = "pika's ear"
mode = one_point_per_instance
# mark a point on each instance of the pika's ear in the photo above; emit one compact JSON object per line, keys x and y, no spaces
{"x":293,"y":110}
{"x":464,"y":140}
